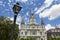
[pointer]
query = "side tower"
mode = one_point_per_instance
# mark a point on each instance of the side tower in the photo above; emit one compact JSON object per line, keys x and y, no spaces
{"x":42,"y":23}
{"x":22,"y":25}
{"x":22,"y":22}
{"x":44,"y":33}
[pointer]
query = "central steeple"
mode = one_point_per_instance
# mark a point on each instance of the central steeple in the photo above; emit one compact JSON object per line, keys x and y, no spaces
{"x":32,"y":19}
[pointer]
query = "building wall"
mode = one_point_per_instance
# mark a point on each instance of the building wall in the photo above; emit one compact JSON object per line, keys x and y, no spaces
{"x":54,"y":33}
{"x":35,"y":31}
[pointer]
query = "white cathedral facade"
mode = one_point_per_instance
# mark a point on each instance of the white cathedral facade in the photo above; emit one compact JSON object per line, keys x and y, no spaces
{"x":32,"y":29}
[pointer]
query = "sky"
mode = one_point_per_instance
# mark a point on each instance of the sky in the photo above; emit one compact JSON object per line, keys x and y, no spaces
{"x":49,"y":10}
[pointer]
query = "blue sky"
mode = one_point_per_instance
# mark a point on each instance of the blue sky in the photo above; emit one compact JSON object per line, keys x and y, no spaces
{"x":48,"y":9}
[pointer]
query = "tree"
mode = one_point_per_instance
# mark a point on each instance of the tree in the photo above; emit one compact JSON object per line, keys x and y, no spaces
{"x":5,"y":29}
{"x":28,"y":38}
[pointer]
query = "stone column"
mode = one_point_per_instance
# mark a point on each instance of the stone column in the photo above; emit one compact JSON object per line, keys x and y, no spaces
{"x":39,"y":38}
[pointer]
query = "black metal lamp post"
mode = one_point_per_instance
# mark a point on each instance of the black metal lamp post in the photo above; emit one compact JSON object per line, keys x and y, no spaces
{"x":16,"y":9}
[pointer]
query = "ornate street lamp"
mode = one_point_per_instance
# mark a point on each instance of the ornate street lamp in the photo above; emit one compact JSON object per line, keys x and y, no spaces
{"x":16,"y":9}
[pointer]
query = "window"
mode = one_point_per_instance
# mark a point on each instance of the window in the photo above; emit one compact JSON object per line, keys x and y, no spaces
{"x":58,"y":30}
{"x":52,"y":30}
{"x":45,"y":32}
{"x":21,"y":32}
{"x":25,"y":33}
{"x":41,"y":39}
{"x":41,"y":33}
{"x":32,"y":27}
{"x":33,"y":32}
{"x":43,"y":36}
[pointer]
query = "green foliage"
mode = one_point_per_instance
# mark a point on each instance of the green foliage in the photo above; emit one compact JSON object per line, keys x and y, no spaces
{"x":5,"y":28}
{"x":29,"y":38}
{"x":50,"y":38}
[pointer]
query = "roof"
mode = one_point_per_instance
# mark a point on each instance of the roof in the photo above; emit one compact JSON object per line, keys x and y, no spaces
{"x":54,"y":30}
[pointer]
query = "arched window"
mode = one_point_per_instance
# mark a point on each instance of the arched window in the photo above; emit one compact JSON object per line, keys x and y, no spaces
{"x":41,"y":39}
{"x":21,"y":32}
{"x":25,"y":33}
{"x":34,"y":33}
{"x":41,"y":33}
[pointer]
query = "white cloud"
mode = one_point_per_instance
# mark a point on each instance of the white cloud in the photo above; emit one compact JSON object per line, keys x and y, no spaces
{"x":58,"y":25}
{"x":52,"y":13}
{"x":27,"y":13}
{"x":46,"y":4}
{"x":11,"y":18}
{"x":18,"y":21}
{"x":26,"y":20}
{"x":57,"y":1}
{"x":22,"y":1}
{"x":48,"y":26}
{"x":9,"y":1}
{"x":1,"y":2}
{"x":35,"y":9}
{"x":55,"y":12}
{"x":46,"y":13}
{"x":18,"y":0}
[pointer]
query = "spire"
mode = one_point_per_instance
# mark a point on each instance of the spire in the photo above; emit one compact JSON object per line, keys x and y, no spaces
{"x":22,"y":22}
{"x":42,"y":21}
{"x":32,"y":18}
{"x":31,"y":15}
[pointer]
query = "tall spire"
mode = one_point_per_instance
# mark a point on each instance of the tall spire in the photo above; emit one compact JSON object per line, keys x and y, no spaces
{"x":31,"y":15}
{"x":32,"y":18}
{"x":42,"y":21}
{"x":22,"y":22}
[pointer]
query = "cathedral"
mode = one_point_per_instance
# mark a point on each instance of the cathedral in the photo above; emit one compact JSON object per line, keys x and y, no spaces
{"x":33,"y":29}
